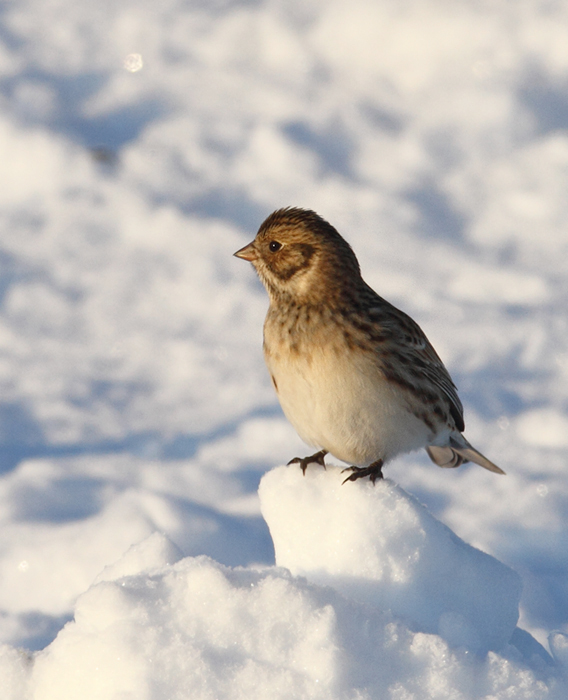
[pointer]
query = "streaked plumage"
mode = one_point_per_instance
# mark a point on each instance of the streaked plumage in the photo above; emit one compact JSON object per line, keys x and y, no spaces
{"x":355,"y":376}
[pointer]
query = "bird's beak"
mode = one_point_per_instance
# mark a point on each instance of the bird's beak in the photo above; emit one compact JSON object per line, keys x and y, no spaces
{"x":247,"y":253}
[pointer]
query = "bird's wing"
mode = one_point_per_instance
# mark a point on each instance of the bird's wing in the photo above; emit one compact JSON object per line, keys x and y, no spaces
{"x":407,"y":341}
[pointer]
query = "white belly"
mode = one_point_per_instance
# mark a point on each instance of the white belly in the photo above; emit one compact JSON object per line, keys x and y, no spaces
{"x":346,"y":408}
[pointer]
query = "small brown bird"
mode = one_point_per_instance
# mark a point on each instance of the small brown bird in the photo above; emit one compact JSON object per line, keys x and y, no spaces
{"x":355,"y":376}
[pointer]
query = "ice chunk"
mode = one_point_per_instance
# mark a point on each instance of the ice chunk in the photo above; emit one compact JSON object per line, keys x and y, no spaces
{"x":376,"y":544}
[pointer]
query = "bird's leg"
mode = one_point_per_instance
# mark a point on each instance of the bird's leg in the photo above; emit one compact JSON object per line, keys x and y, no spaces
{"x":374,"y":471}
{"x":304,"y":461}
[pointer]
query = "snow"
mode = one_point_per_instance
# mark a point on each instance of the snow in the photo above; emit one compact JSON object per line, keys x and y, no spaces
{"x":142,"y":144}
{"x":380,"y":546}
{"x":381,"y":573}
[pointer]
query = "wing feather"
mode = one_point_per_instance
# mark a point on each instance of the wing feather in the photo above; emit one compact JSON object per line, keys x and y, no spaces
{"x":410,"y":343}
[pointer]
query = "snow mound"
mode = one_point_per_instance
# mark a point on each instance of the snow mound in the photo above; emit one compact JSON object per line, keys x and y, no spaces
{"x":154,"y":626}
{"x":376,"y":544}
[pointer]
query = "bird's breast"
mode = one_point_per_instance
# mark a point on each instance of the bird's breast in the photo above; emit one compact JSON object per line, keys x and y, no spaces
{"x":337,"y":398}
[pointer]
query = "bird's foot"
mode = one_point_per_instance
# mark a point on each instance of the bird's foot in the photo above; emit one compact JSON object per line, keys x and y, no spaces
{"x":373,"y":471}
{"x":304,"y":461}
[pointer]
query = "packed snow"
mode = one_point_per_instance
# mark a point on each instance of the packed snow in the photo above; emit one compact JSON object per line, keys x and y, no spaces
{"x":392,"y":605}
{"x":142,"y":144}
{"x":375,"y":544}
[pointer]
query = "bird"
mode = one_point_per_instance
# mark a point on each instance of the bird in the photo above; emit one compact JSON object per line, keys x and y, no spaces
{"x":355,"y":376}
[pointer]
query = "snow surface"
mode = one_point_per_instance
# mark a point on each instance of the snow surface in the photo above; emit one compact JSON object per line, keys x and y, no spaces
{"x":158,"y":625}
{"x":142,"y":144}
{"x":380,"y":546}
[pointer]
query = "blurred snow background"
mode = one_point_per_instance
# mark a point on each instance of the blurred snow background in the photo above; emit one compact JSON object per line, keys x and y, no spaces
{"x":142,"y":144}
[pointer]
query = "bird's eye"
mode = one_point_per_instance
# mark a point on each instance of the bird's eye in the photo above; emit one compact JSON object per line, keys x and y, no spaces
{"x":274,"y":246}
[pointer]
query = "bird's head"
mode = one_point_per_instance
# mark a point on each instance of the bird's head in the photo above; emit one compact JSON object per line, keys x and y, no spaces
{"x":298,"y":254}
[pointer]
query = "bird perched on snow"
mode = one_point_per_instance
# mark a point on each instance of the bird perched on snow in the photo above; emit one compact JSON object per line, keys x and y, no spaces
{"x":355,"y":376}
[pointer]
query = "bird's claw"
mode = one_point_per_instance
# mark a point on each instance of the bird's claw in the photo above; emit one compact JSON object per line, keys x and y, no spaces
{"x":318,"y":458}
{"x":373,"y":471}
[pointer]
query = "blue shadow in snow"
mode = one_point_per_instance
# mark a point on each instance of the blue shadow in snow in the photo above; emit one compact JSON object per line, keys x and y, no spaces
{"x":545,"y":101}
{"x":21,"y":438}
{"x":38,"y":629}
{"x":333,"y":146}
{"x":438,"y":219}
{"x":232,"y":205}
{"x":108,"y":131}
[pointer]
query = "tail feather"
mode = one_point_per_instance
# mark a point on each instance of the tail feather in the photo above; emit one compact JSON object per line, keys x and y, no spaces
{"x":454,"y":455}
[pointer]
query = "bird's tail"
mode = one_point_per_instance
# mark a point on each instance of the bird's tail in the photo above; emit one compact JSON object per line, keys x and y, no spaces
{"x":457,"y":453}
